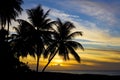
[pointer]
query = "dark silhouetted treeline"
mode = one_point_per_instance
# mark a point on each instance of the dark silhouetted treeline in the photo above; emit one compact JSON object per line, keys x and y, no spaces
{"x":35,"y":37}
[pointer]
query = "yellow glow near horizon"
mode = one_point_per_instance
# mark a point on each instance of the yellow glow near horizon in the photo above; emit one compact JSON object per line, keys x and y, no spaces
{"x":90,"y":59}
{"x":58,"y":61}
{"x":101,"y":55}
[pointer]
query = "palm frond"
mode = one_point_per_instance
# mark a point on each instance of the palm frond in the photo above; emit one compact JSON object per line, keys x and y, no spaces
{"x":59,"y":22}
{"x":74,"y":44}
{"x":46,"y":24}
{"x":50,"y":50}
{"x":66,"y":55}
{"x":74,"y":34}
{"x":46,"y":14}
{"x":72,"y":51}
{"x":17,"y":30}
{"x":24,"y":25}
{"x":35,"y":15}
{"x":53,"y":52}
{"x":69,"y":25}
{"x":9,"y":12}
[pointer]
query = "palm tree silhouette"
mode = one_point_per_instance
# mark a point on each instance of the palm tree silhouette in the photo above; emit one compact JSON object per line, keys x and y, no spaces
{"x":9,"y":61}
{"x":63,"y":43}
{"x":9,"y":10}
{"x":21,"y":47}
{"x":36,"y":33}
{"x":21,"y":40}
{"x":7,"y":58}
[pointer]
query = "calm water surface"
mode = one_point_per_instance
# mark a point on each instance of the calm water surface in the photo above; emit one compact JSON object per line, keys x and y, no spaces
{"x":105,"y":72}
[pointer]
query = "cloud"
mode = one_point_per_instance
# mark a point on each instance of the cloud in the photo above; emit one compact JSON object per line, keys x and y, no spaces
{"x":104,"y":12}
{"x":97,"y":10}
{"x":91,"y":31}
{"x":55,"y":13}
{"x":92,"y":59}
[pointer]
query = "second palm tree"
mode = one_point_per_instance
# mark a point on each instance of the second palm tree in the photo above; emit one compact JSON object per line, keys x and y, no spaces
{"x":63,"y":42}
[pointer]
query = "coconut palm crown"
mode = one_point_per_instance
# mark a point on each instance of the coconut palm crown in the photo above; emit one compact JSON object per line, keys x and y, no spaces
{"x":35,"y":32}
{"x":63,"y":42}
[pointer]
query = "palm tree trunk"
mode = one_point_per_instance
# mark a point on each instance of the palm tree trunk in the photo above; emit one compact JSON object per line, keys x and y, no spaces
{"x":38,"y":58}
{"x":49,"y":61}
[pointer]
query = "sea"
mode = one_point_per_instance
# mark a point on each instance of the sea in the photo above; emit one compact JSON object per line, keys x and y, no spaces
{"x":102,"y":72}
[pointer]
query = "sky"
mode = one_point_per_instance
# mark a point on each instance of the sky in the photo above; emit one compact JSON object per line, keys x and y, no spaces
{"x":99,"y":20}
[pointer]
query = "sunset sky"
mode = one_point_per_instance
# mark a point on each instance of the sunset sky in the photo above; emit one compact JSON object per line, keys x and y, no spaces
{"x":99,"y":20}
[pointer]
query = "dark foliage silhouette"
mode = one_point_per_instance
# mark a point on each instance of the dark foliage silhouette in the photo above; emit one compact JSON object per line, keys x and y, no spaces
{"x":9,"y":10}
{"x":21,"y":43}
{"x":32,"y":37}
{"x":9,"y":62}
{"x":63,"y":42}
{"x":36,"y":37}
